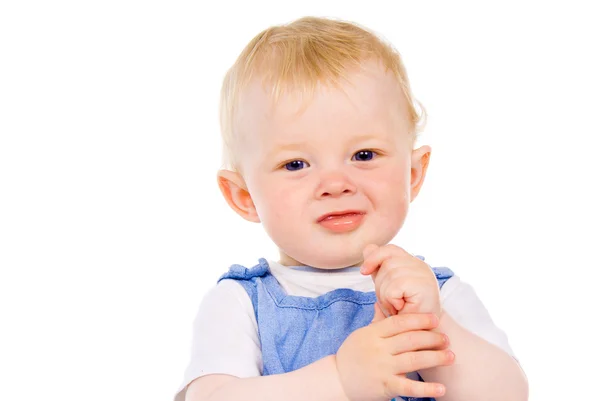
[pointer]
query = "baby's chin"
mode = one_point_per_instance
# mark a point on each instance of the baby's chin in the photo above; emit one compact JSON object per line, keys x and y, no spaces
{"x":322,"y":260}
{"x":332,"y":252}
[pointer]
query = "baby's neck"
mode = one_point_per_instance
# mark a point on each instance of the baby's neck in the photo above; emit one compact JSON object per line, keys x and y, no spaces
{"x":288,"y":261}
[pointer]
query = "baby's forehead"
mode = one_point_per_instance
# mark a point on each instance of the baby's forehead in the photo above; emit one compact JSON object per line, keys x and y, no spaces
{"x":350,"y":114}
{"x":369,"y":86}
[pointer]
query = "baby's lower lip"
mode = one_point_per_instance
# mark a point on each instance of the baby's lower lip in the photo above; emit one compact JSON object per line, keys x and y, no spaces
{"x":342,"y":222}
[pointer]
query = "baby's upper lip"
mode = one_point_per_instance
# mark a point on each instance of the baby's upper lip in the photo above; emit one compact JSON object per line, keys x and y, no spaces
{"x":339,"y":213}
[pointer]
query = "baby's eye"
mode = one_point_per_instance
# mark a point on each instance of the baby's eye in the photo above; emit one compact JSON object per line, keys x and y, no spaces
{"x":363,"y":155}
{"x":295,"y":165}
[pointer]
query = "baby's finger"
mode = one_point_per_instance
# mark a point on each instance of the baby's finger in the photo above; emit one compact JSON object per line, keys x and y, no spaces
{"x":398,"y":304}
{"x":369,"y":249}
{"x":368,"y":265}
{"x":413,"y":361}
{"x":383,"y":301}
{"x":416,"y":341}
{"x":374,"y":257}
{"x":378,"y":315}
{"x":400,"y":386}
{"x":398,"y":324}
{"x":393,"y":300}
{"x":387,"y":308}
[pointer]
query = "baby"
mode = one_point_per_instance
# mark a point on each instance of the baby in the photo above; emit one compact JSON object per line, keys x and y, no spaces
{"x":319,"y":128}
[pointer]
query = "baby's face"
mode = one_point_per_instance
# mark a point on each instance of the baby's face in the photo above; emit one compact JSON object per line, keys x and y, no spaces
{"x":333,"y":177}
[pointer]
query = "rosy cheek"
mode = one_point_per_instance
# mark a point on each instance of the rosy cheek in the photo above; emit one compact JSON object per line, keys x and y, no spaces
{"x":284,"y":200}
{"x":385,"y":182}
{"x":279,"y":203}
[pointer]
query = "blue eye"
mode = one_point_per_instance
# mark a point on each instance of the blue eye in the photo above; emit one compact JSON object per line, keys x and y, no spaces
{"x":295,"y":165}
{"x":363,"y":155}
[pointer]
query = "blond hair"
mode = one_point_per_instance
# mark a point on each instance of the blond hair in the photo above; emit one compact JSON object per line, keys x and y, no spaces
{"x":298,"y":56}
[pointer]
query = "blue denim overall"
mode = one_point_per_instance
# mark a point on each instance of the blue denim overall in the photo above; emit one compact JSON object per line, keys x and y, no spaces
{"x":296,"y":331}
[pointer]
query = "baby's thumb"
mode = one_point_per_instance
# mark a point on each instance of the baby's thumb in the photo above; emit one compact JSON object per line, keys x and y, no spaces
{"x":378,"y":314}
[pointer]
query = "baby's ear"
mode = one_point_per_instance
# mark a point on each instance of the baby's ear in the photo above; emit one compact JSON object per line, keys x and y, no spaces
{"x":419,"y":163}
{"x":233,"y":187}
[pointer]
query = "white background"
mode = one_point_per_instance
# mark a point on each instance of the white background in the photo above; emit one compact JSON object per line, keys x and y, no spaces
{"x":112,"y":226}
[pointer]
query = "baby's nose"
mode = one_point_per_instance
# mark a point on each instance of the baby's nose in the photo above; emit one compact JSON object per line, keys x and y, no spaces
{"x":334,"y":185}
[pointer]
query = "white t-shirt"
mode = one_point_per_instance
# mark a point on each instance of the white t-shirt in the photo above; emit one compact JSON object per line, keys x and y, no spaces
{"x":225,"y":333}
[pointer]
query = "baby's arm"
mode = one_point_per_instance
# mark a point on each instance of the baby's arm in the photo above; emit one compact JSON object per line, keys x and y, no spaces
{"x":317,"y":381}
{"x":481,"y":371}
{"x":226,"y":358}
{"x":368,"y":366}
{"x":484,"y":368}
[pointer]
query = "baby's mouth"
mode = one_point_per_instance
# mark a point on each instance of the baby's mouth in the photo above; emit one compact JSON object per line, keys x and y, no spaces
{"x":343,"y":221}
{"x":340,"y":215}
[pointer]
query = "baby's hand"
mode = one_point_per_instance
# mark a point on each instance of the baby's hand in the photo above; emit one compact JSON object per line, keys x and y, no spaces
{"x":402,"y":282}
{"x":373,"y":361}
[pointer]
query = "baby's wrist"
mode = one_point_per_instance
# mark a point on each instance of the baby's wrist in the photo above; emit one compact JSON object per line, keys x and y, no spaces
{"x":338,"y":379}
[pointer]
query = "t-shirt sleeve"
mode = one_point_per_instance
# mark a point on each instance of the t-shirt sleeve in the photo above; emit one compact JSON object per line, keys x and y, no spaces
{"x":224,"y":336}
{"x":461,"y":302}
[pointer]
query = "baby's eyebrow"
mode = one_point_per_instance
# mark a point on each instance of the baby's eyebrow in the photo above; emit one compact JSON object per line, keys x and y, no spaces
{"x":290,"y":146}
{"x":302,"y":146}
{"x":366,"y":137}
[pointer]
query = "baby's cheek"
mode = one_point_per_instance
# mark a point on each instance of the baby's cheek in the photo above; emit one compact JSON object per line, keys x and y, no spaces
{"x":394,"y":204}
{"x":281,"y":206}
{"x":390,"y":188}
